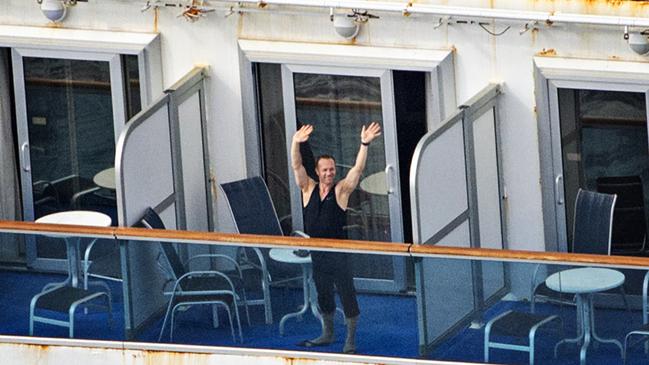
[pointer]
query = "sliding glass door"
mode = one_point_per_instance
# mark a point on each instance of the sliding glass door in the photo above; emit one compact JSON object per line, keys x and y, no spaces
{"x":599,"y":143}
{"x":70,"y":109}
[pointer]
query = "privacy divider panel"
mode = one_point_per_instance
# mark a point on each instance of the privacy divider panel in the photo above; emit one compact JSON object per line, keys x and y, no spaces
{"x":456,"y":201}
{"x":161,"y":162}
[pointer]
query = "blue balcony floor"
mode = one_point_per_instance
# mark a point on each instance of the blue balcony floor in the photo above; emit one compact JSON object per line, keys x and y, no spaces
{"x":388,"y":326}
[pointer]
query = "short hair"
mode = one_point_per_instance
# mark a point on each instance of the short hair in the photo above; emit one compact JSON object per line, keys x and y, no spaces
{"x":323,"y":157}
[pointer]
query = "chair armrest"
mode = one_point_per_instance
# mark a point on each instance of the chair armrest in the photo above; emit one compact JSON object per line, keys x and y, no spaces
{"x":86,"y":254}
{"x":300,"y":234}
{"x":81,"y":194}
{"x":204,"y":273}
{"x":217,"y":256}
{"x":534,"y":283}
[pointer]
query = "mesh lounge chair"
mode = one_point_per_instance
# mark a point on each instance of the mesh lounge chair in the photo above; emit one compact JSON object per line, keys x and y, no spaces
{"x":592,"y":231}
{"x":644,"y":329}
{"x":591,"y":234}
{"x":629,"y":222}
{"x":514,"y":324}
{"x":63,"y":298}
{"x":253,"y":213}
{"x":202,"y":287}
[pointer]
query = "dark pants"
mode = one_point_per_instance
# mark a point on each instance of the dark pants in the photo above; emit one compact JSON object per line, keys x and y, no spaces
{"x":329,"y":269}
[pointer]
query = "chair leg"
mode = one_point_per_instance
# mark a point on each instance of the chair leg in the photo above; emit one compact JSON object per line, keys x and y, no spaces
{"x":626,"y":302}
{"x":164,"y":322}
{"x":265,"y":287}
{"x":487,"y":334}
{"x":626,"y":344}
{"x":234,"y":337}
{"x":173,"y":316}
{"x":71,"y":311}
{"x":171,"y":324}
{"x":245,"y":303}
{"x":236,"y":313}
{"x":109,"y":301}
{"x":215,"y":316}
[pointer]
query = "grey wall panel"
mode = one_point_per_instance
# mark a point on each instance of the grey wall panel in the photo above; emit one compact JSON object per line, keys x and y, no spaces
{"x":441,"y":185}
{"x":449,"y":294}
{"x":484,"y":135}
{"x":458,"y":237}
{"x":145,"y":180}
{"x":146,"y":169}
{"x":191,"y":145}
{"x":168,"y":216}
{"x":493,"y":277}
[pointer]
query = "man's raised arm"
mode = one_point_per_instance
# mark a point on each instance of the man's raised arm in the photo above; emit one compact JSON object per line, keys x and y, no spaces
{"x":349,"y":183}
{"x":301,"y":136}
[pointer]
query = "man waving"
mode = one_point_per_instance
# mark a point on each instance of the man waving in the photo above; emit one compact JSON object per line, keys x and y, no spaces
{"x":324,"y":203}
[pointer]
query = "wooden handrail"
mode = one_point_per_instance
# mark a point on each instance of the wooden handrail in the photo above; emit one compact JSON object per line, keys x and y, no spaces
{"x":368,"y":247}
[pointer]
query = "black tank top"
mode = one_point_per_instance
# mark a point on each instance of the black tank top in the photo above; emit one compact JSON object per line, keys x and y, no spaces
{"x":324,"y":218}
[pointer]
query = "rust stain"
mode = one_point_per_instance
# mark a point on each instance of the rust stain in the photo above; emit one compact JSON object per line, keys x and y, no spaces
{"x":550,"y":52}
{"x":534,"y":34}
{"x":240,"y":20}
{"x":156,"y":16}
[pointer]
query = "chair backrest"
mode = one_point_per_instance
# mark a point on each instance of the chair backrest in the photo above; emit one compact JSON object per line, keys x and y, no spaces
{"x":251,"y":207}
{"x":629,"y":221}
{"x":152,"y":220}
{"x":593,"y":222}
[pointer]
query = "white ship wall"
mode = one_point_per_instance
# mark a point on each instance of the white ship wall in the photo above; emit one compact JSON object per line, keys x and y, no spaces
{"x":479,"y":58}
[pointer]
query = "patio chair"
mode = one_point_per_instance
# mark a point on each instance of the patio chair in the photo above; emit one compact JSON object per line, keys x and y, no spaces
{"x":253,"y":212}
{"x":65,"y":299}
{"x":629,"y":220}
{"x":200,"y":287}
{"x":644,"y":329}
{"x":592,"y":232}
{"x":514,"y":324}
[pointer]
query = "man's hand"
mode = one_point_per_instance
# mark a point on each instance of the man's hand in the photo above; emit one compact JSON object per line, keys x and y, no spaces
{"x":368,"y":134}
{"x":302,"y":135}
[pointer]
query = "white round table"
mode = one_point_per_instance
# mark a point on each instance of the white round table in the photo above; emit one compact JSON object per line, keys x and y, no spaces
{"x":79,"y":218}
{"x":375,"y":184}
{"x":287,"y":256}
{"x":584,"y":282}
{"x":105,"y":178}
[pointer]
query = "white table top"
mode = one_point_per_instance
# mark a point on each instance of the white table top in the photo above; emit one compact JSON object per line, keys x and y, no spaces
{"x":585,"y":280}
{"x":105,"y":178}
{"x":286,"y":255}
{"x":77,"y":217}
{"x":375,"y":184}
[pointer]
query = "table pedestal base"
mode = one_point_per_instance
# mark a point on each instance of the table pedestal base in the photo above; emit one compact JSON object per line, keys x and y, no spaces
{"x":585,"y":328}
{"x":309,"y":300}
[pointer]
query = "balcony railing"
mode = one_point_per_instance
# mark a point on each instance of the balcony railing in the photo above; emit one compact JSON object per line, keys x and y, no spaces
{"x":451,"y":298}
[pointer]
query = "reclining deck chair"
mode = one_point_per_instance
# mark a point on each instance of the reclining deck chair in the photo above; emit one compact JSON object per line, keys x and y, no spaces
{"x":201,"y":287}
{"x":253,"y":212}
{"x":592,"y":232}
{"x":629,"y":221}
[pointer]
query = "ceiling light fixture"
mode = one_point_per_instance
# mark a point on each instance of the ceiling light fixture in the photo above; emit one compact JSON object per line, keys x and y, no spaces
{"x":55,"y":10}
{"x":637,"y":41}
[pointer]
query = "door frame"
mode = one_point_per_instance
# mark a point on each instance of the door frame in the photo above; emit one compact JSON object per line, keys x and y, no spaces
{"x":552,"y":73}
{"x":22,"y":130}
{"x":391,"y":158}
{"x":388,"y":126}
{"x":437,"y":64}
